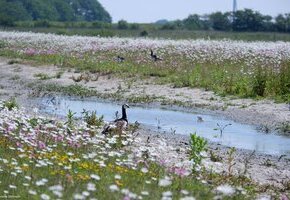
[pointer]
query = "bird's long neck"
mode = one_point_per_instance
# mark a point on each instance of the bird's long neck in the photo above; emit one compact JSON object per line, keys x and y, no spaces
{"x":124,"y":114}
{"x":151,"y":53}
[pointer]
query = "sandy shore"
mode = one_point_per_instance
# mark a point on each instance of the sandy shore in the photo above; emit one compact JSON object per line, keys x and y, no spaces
{"x":262,"y":169}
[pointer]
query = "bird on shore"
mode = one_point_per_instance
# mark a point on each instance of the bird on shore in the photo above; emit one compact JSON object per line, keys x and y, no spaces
{"x":118,"y":124}
{"x":120,"y":59}
{"x":154,"y":56}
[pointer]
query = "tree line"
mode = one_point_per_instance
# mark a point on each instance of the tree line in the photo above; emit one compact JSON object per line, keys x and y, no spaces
{"x":12,"y":11}
{"x":91,"y":14}
{"x":241,"y":20}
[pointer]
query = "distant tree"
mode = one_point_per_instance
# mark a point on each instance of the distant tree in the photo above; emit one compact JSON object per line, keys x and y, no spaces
{"x":220,"y":21}
{"x":52,"y":10}
{"x":205,"y":22}
{"x":65,"y":11}
{"x":192,"y":22}
{"x":247,"y":20}
{"x":179,"y":24}
{"x":283,"y":22}
{"x":267,"y":23}
{"x":122,"y":24}
{"x":91,"y":10}
{"x":11,"y":12}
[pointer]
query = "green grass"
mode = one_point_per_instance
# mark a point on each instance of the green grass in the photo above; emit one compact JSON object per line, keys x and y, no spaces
{"x":75,"y":180}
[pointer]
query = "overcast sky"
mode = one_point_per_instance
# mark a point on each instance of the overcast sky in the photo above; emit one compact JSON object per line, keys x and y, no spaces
{"x":153,"y":10}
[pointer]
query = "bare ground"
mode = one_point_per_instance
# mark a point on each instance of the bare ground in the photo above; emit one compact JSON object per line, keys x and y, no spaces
{"x":263,"y":169}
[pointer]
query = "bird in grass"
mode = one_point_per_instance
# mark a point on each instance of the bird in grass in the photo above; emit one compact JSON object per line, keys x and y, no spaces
{"x":119,"y":124}
{"x":120,"y":59}
{"x":154,"y":56}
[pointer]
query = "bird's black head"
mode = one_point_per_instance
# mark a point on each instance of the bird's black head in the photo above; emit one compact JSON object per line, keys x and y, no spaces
{"x":126,"y":106}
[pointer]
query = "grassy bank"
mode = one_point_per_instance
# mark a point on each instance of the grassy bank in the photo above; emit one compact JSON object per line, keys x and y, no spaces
{"x":224,"y":79}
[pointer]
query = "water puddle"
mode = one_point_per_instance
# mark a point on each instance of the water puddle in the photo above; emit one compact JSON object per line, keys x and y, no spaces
{"x":235,"y":135}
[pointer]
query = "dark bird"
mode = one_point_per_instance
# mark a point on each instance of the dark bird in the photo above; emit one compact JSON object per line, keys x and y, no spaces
{"x":154,"y":56}
{"x":118,"y":124}
{"x":120,"y":59}
{"x":199,"y":119}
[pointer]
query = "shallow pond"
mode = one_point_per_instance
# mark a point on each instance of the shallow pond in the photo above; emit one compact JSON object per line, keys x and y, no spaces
{"x":234,"y":135}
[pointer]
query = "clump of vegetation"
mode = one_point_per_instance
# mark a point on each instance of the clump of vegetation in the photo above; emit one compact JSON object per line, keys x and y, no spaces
{"x":42,"y":76}
{"x":144,"y":33}
{"x":59,"y":74}
{"x":33,"y":122}
{"x":214,"y":157}
{"x":221,"y":128}
{"x":2,"y":44}
{"x":91,"y":118}
{"x":13,"y":61}
{"x":230,"y":160}
{"x":70,"y":122}
{"x":284,"y":128}
{"x":71,"y":90}
{"x":11,"y":104}
{"x":197,"y":145}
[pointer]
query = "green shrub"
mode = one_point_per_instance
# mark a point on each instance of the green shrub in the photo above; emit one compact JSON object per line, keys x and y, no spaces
{"x":2,"y":44}
{"x":144,"y":33}
{"x":197,"y":145}
{"x":10,"y":104}
{"x":92,"y":119}
{"x":42,"y":23}
{"x":122,"y":24}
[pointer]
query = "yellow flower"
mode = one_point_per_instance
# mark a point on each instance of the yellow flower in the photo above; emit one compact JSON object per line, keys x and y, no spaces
{"x":119,"y":183}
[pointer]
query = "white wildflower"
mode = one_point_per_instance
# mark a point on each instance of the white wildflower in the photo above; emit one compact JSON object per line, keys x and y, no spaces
{"x":44,"y":197}
{"x":32,"y":192}
{"x":91,"y":187}
{"x":85,"y":193}
{"x":96,"y":177}
{"x":56,"y":188}
{"x":144,"y":170}
{"x":225,"y":189}
{"x":164,"y":182}
{"x":145,"y":193}
{"x":187,"y":198}
{"x":79,"y":197}
{"x":117,"y":176}
{"x":114,"y":188}
{"x":41,"y":182}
